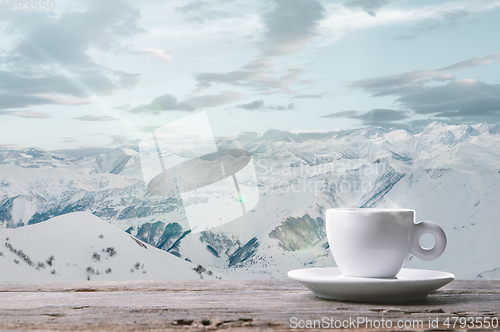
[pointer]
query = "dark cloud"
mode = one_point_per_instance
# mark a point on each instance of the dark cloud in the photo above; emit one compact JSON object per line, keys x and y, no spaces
{"x":369,"y":6}
{"x":291,"y":25}
{"x":422,"y":122}
{"x":376,"y":117}
{"x":261,"y":106}
{"x":219,"y":99}
{"x":381,"y":117}
{"x":457,"y":100}
{"x":163,"y":103}
{"x":254,"y":105}
{"x":394,"y":84}
{"x":169,"y":102}
{"x":50,"y":52}
{"x":286,"y":107}
{"x":96,"y":118}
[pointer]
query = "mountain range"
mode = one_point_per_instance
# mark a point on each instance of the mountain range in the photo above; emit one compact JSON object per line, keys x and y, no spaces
{"x":449,"y":174}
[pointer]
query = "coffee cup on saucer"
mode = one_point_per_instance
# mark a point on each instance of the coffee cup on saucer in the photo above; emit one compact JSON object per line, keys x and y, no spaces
{"x":374,"y":243}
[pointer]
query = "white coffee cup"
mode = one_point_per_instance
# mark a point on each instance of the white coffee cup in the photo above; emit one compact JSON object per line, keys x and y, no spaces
{"x":374,"y":243}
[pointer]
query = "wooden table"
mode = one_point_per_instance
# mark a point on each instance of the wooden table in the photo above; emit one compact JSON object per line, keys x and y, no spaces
{"x":246,"y":305}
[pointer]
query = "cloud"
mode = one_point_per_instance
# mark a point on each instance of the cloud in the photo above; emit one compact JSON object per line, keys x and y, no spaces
{"x":67,"y":140}
{"x":287,"y":28}
{"x":437,"y":16}
{"x":387,"y":85}
{"x":287,"y":107}
{"x":381,"y":117}
{"x":368,"y":6}
{"x":448,"y":20}
{"x":260,"y":105}
{"x":201,"y":11}
{"x":23,"y":90}
{"x":376,"y":117}
{"x":413,"y":81}
{"x":61,"y":100}
{"x":165,"y":102}
{"x":254,"y":105}
{"x":456,"y":100}
{"x":256,"y":76}
{"x":474,"y":62}
{"x":49,"y":53}
{"x":22,"y":83}
{"x":64,"y":39}
{"x":290,"y":26}
{"x":20,"y":100}
{"x":96,"y":118}
{"x":26,"y":114}
{"x":169,"y":102}
{"x":156,"y":53}
{"x":341,"y":114}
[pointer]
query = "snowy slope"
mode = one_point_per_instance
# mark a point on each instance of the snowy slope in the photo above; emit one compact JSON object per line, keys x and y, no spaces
{"x":448,"y":173}
{"x":81,"y":246}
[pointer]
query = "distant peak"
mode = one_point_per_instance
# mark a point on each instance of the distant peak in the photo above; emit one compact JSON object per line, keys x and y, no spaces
{"x":128,"y":151}
{"x":277,"y":134}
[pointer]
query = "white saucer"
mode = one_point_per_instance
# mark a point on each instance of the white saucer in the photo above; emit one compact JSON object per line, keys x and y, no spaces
{"x":408,"y":285}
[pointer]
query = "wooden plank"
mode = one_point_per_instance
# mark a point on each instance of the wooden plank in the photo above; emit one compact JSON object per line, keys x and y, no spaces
{"x":218,"y":304}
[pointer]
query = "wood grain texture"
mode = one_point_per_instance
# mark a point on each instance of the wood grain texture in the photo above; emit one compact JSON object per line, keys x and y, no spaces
{"x":216,"y":304}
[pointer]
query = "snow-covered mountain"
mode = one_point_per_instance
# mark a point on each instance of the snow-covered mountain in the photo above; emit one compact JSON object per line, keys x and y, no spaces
{"x":448,"y":173}
{"x":81,"y":246}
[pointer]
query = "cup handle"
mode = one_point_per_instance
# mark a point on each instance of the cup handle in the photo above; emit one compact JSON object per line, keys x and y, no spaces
{"x":428,"y":227}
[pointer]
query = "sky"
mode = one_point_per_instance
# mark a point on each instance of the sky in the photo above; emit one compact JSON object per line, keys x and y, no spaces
{"x":87,"y":74}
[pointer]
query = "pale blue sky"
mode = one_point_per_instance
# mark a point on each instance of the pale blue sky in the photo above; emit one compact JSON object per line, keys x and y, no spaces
{"x":105,"y":73}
